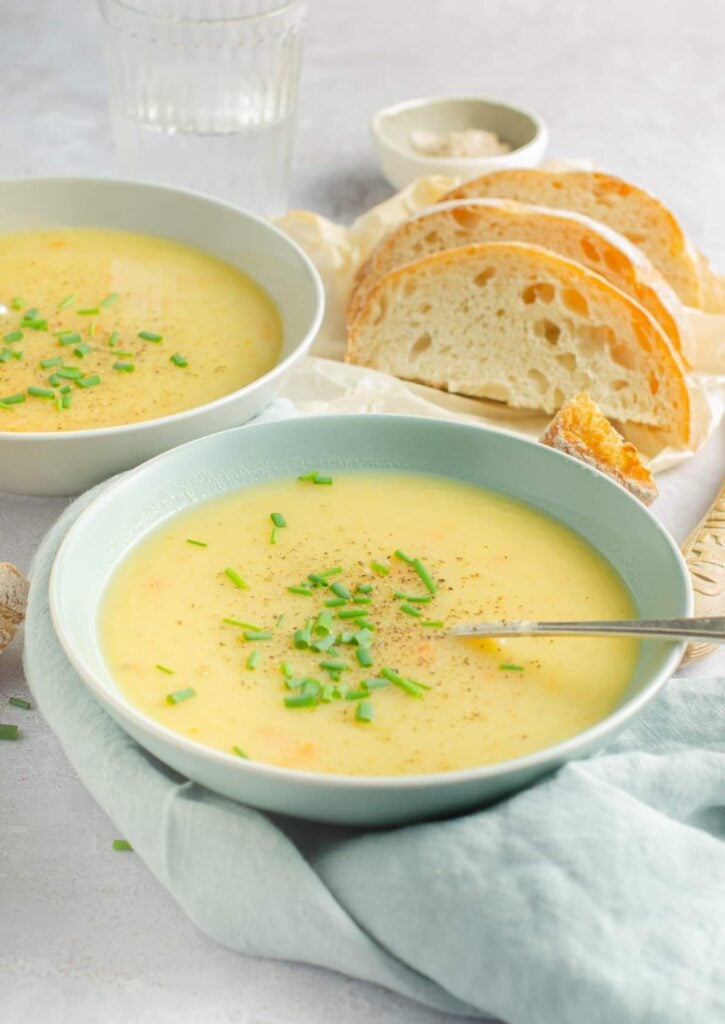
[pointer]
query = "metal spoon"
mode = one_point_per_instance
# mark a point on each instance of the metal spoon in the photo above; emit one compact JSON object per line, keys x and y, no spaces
{"x":712,"y":629}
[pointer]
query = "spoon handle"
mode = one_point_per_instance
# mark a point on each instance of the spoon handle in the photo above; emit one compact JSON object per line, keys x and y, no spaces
{"x":711,"y":629}
{"x":704,"y":552}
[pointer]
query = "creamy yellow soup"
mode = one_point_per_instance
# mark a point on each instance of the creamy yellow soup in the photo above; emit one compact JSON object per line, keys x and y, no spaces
{"x":100,"y":328}
{"x":203,"y":634}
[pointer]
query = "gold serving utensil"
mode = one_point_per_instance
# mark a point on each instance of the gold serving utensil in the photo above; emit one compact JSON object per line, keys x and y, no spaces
{"x":704,"y":552}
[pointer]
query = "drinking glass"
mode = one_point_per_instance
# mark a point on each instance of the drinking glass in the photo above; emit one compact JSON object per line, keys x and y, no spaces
{"x":203,"y":94}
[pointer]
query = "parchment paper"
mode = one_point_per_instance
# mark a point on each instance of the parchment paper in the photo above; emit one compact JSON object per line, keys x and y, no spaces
{"x":326,"y":384}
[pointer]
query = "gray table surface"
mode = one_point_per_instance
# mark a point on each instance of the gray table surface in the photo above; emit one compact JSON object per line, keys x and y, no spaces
{"x":87,"y":935}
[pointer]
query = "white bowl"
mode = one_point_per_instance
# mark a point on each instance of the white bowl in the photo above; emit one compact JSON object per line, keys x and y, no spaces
{"x":524,"y":131}
{"x":66,"y":463}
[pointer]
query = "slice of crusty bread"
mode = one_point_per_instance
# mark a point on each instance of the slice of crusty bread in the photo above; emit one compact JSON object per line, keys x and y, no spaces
{"x":500,"y":220}
{"x":13,"y":598}
{"x":521,"y":324}
{"x":581,"y":429}
{"x":620,"y":205}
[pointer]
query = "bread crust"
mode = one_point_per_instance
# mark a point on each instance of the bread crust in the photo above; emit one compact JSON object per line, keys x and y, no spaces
{"x":485,"y":220}
{"x":611,"y":200}
{"x":534,"y":260}
{"x":13,"y":598}
{"x":581,"y":429}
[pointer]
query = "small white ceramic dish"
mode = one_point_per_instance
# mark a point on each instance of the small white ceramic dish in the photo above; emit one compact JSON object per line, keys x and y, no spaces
{"x":67,"y":463}
{"x":586,"y":501}
{"x":401,"y":163}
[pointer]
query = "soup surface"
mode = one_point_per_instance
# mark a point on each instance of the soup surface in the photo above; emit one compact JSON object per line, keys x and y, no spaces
{"x":313,"y":645}
{"x":100,"y":327}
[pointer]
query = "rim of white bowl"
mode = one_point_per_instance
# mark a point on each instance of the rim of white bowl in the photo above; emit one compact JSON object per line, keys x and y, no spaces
{"x":562,"y":751}
{"x":541,"y":130}
{"x":300,"y":349}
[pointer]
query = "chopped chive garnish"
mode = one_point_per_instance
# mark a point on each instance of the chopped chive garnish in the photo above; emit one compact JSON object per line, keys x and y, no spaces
{"x":413,"y":598}
{"x":376,"y":684}
{"x":65,"y":389}
{"x":91,"y":311}
{"x":253,"y":660}
{"x":402,"y":556}
{"x":334,"y":666}
{"x":341,"y":591}
{"x":30,"y":314}
{"x":433,"y":623}
{"x":54,"y":381}
{"x":507,"y":666}
{"x":365,"y":712}
{"x":122,"y":355}
{"x":113,"y":338}
{"x":316,"y":478}
{"x":352,"y":613}
{"x":18,"y":702}
{"x":405,"y":684}
{"x":379,"y":568}
{"x":13,"y":336}
{"x":12,"y":399}
{"x":278,"y":519}
{"x":363,"y":637}
{"x":323,"y":624}
{"x":36,"y":324}
{"x":178,"y":695}
{"x":364,"y":588}
{"x":334,"y":571}
{"x":164,"y":668}
{"x":325,"y":644}
{"x":410,"y":610}
{"x":301,"y":638}
{"x":6,"y":355}
{"x":287,"y":670}
{"x":196,"y":543}
{"x":69,"y":373}
{"x":82,"y":350}
{"x":357,"y":694}
{"x":317,"y":581}
{"x":424,"y":575}
{"x":273,"y":535}
{"x":69,"y":339}
{"x":241,"y":625}
{"x":47,"y":363}
{"x":335,"y":602}
{"x":236,"y":579}
{"x":8,"y":732}
{"x":149,"y":336}
{"x":257,"y":634}
{"x":306,"y":591}
{"x":123,"y":367}
{"x":176,"y":358}
{"x":327,"y":693}
{"x":122,"y":844}
{"x":300,"y":700}
{"x":240,"y":753}
{"x":17,"y":302}
{"x":364,"y":657}
{"x":39,"y":392}
{"x":67,"y":301}
{"x":362,"y":600}
{"x":58,"y":399}
{"x":88,"y":382}
{"x":67,"y":400}
{"x":109,"y":300}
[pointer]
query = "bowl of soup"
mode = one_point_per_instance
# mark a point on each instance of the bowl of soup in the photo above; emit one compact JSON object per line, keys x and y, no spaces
{"x":267,"y":610}
{"x":133,"y":318}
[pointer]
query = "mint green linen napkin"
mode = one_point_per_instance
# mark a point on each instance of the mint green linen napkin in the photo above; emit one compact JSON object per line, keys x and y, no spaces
{"x":597,"y":897}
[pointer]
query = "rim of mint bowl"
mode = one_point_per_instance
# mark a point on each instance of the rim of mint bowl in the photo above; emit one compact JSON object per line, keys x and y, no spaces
{"x":197,"y":204}
{"x":340,"y":429}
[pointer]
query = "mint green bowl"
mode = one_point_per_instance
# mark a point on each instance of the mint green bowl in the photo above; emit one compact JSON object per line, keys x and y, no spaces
{"x":625,"y":533}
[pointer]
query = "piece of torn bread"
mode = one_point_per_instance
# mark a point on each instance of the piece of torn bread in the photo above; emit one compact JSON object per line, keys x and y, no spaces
{"x":582,"y":430}
{"x":453,"y":224}
{"x":13,"y":598}
{"x":625,"y":207}
{"x":521,"y":324}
